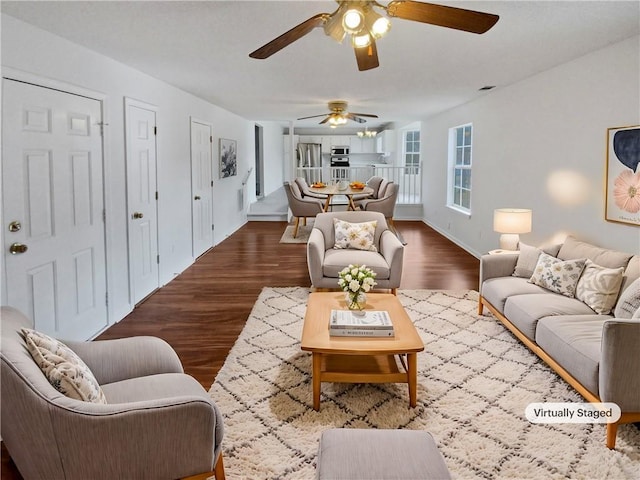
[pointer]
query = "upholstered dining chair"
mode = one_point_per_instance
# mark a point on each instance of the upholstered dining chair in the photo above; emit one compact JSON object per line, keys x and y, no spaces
{"x":306,"y":191}
{"x":374,"y":184}
{"x":301,"y":207}
{"x":385,"y":204}
{"x":325,"y":261}
{"x":157,"y":422}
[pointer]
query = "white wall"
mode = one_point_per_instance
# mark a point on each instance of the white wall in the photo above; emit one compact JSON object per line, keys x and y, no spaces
{"x":273,"y":148}
{"x":552,"y":125}
{"x":37,"y":52}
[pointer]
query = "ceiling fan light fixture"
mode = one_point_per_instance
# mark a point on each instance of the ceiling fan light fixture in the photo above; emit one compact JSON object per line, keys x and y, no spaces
{"x":353,"y":21}
{"x":334,"y":29}
{"x":360,"y":41}
{"x":377,"y":24}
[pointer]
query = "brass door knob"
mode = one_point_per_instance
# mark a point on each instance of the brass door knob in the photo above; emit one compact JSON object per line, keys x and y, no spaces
{"x":15,"y":226}
{"x":16,"y":248}
{"x":137,"y":215}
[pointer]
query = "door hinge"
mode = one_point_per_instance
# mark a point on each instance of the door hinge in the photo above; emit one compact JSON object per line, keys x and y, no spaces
{"x":210,"y":138}
{"x":106,"y":299}
{"x":104,"y":216}
{"x":212,"y":183}
{"x":158,"y":259}
{"x":212,"y":226}
{"x":155,"y":130}
{"x":156,"y":195}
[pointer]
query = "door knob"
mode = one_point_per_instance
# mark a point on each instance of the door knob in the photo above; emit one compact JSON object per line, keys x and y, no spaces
{"x":16,"y":248}
{"x":137,"y":215}
{"x":197,"y":197}
{"x":15,"y":226}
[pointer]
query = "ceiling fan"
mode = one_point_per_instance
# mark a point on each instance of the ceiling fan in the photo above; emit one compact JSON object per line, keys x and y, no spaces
{"x":339,"y":115}
{"x":361,"y":20}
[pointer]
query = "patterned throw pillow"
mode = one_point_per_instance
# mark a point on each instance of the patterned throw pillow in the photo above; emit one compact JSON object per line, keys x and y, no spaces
{"x":598,"y":287}
{"x":360,"y":236}
{"x":63,"y":368}
{"x":557,"y":275}
{"x":528,"y":258}
{"x":629,"y":301}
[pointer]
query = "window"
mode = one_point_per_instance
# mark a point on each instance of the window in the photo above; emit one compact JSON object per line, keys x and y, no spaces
{"x":411,"y":151}
{"x":459,"y":196}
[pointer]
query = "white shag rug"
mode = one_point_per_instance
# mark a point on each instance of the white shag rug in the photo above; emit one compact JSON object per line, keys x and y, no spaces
{"x":474,"y":382}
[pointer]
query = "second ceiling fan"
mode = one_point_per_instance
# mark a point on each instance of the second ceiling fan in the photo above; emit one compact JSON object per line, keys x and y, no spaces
{"x":339,"y":115}
{"x":364,"y":24}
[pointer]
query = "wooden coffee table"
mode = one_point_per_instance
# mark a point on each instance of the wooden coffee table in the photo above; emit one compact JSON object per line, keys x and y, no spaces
{"x":360,"y":359}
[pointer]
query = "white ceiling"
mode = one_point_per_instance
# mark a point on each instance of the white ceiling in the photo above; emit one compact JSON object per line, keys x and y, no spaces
{"x":203,"y":47}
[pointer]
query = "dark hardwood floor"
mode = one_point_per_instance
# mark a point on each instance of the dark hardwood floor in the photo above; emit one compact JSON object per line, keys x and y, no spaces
{"x":203,"y":310}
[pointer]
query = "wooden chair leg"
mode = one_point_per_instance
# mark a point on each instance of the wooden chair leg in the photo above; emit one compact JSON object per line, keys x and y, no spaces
{"x":219,"y":468}
{"x":612,"y":431}
{"x":480,"y":306}
{"x":295,"y":230}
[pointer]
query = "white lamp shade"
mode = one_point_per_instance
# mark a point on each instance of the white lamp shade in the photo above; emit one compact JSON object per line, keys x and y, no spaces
{"x":512,"y":220}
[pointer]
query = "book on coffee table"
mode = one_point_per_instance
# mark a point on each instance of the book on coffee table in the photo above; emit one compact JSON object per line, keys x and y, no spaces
{"x":366,"y":323}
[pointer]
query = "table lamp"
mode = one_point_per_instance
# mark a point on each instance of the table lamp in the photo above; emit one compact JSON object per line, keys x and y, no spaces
{"x":510,"y":222}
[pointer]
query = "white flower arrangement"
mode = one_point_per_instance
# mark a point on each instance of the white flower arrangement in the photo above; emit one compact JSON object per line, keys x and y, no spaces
{"x":356,"y":280}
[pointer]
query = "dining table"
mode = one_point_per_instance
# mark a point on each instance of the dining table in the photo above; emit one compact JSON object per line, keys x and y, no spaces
{"x":331,"y":190}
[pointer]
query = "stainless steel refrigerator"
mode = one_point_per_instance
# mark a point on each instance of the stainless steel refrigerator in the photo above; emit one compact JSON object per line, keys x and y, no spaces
{"x":310,"y":161}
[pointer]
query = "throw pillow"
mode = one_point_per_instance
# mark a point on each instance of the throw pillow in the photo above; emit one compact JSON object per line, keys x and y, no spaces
{"x":629,"y":301}
{"x":557,"y":275}
{"x":528,"y":258}
{"x":598,"y":287}
{"x":63,"y":368}
{"x":360,"y":236}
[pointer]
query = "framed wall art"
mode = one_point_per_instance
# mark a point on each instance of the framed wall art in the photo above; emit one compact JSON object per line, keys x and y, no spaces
{"x":622,"y":196}
{"x":228,"y":160}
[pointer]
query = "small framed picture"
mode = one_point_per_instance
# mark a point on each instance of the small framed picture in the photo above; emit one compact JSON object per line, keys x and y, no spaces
{"x":622,"y":196}
{"x":228,"y":160}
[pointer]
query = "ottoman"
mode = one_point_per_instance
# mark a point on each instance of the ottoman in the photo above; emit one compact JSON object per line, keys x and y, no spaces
{"x":363,"y":454}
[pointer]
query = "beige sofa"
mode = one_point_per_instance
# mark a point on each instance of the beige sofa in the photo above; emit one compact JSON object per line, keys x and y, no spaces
{"x":598,"y":354}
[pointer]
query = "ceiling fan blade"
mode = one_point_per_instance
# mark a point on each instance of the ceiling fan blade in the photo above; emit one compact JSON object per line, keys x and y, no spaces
{"x":364,"y":115}
{"x":367,"y":57}
{"x":354,"y":118}
{"x":312,"y":116}
{"x":289,"y":37}
{"x":450,"y":17}
{"x":325,"y":120}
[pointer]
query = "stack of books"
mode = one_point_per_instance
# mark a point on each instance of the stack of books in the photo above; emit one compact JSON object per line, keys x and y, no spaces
{"x":369,"y":323}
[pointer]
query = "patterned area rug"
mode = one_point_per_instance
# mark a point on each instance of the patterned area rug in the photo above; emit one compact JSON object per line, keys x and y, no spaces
{"x":474,"y":382}
{"x":303,"y":233}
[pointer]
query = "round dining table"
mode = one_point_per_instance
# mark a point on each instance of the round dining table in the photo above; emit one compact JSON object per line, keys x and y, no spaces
{"x":349,"y":192}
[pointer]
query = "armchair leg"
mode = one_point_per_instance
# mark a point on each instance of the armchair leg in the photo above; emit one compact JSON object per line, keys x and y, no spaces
{"x":218,"y":472}
{"x":295,"y":230}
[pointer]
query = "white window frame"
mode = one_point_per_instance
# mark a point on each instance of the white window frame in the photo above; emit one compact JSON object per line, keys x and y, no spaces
{"x":455,"y":166}
{"x":411,"y":168}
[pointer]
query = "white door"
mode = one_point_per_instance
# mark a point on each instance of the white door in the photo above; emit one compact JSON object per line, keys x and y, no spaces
{"x":201,"y":187}
{"x":142,"y":198}
{"x":54,"y":234}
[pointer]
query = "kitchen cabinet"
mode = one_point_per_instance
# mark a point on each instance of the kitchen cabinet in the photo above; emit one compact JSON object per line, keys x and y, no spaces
{"x":386,"y":141}
{"x":362,"y":144}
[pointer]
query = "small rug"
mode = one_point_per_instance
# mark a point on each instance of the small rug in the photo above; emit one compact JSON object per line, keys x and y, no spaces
{"x":303,"y":233}
{"x":474,"y":381}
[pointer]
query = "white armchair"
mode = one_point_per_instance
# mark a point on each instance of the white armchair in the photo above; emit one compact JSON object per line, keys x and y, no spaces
{"x":324,"y":262}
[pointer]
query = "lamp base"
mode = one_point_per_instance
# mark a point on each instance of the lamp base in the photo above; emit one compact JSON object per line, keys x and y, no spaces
{"x":509,"y":241}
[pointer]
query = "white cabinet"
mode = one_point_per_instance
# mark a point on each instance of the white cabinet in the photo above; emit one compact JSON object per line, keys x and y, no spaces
{"x":340,"y":141}
{"x":386,"y":141}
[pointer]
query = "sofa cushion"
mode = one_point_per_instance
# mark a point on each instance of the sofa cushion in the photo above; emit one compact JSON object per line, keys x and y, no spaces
{"x":360,"y":236}
{"x":63,"y":368}
{"x":528,"y":258}
{"x":336,"y":260}
{"x":572,"y":249}
{"x":574,"y":342}
{"x":557,"y":275}
{"x":497,"y":290}
{"x":629,"y":301}
{"x":524,"y":311}
{"x":598,"y":287}
{"x":154,"y":387}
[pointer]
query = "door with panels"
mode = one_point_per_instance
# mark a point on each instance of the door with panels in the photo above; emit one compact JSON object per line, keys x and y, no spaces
{"x":201,"y":187}
{"x":53,"y":207}
{"x":142,"y":198}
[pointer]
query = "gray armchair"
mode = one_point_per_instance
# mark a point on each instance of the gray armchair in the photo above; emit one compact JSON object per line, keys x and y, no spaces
{"x":158,"y":423}
{"x":385,"y":205}
{"x":306,"y":191}
{"x":301,"y":207}
{"x":324,"y":262}
{"x":374,"y":183}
